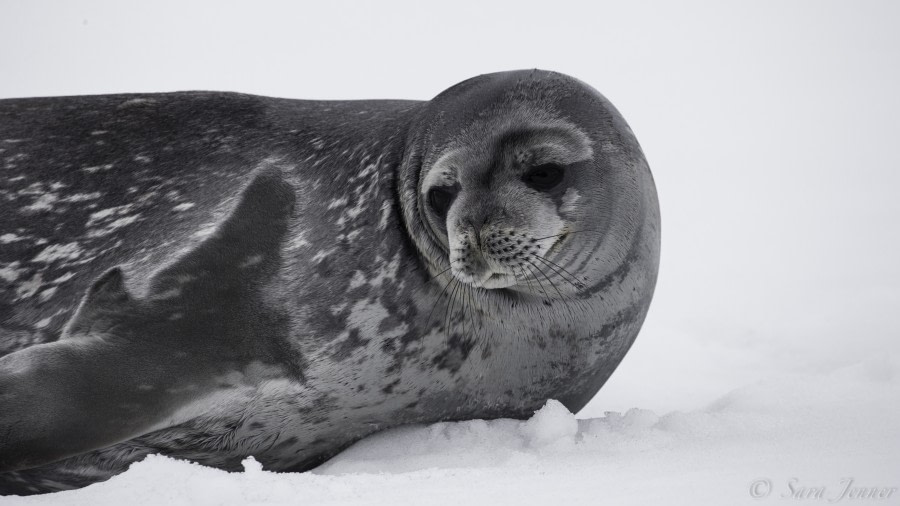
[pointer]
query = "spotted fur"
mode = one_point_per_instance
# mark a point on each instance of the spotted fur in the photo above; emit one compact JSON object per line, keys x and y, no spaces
{"x":213,"y":275}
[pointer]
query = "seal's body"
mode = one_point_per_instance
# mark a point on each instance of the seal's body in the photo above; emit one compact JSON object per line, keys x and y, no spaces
{"x":214,"y":275}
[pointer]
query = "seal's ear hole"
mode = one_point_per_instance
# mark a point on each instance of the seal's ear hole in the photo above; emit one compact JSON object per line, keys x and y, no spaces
{"x":440,"y":198}
{"x":544,"y":177}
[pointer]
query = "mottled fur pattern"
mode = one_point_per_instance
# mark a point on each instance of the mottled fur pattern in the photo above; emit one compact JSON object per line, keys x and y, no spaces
{"x":245,"y":275}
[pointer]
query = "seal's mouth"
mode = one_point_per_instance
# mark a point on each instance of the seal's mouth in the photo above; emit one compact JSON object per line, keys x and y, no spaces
{"x":506,"y":258}
{"x":489,"y":280}
{"x":498,"y":280}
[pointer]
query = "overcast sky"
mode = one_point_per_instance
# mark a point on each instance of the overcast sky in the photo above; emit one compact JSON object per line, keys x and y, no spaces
{"x":771,"y":129}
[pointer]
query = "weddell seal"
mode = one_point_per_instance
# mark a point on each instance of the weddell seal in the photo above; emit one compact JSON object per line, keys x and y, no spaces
{"x":210,"y":276}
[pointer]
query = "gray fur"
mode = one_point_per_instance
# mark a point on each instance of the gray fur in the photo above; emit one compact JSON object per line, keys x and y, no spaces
{"x":228,"y":275}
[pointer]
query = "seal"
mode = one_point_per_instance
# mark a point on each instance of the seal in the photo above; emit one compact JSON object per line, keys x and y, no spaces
{"x":215,"y":275}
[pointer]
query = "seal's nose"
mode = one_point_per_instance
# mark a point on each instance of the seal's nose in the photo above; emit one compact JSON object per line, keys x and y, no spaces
{"x":477,"y":226}
{"x":471,"y":254}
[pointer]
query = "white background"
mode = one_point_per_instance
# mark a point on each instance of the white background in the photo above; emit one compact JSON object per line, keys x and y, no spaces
{"x":771,"y":129}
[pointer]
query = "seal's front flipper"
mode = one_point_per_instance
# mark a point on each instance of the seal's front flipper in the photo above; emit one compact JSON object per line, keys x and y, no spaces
{"x":128,"y":366}
{"x":106,"y":381}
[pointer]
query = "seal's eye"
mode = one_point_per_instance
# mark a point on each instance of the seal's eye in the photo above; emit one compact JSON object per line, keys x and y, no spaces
{"x":440,"y":198}
{"x":544,"y":177}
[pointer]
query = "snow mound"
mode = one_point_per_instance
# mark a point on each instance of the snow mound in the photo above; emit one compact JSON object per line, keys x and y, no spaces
{"x":470,"y":444}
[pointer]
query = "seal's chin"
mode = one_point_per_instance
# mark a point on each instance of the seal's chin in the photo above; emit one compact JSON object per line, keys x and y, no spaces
{"x":496,"y":280}
{"x":486,"y":278}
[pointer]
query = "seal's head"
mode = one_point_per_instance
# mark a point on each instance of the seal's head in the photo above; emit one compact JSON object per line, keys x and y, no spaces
{"x":528,"y":181}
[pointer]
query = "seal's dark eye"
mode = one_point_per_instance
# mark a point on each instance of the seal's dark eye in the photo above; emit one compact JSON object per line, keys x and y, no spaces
{"x":544,"y":177}
{"x":440,"y":198}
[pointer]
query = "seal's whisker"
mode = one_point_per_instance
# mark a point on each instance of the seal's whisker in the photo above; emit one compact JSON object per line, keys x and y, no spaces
{"x":577,"y":285}
{"x":476,"y":318}
{"x":580,"y":304}
{"x":559,"y":270}
{"x":542,"y":285}
{"x":543,"y":290}
{"x":565,"y":299}
{"x":458,"y":312}
{"x":562,"y":234}
{"x":530,"y":274}
{"x":464,"y":303}
{"x":527,"y":281}
{"x":445,"y":270}
{"x":438,"y":300}
{"x":448,"y":303}
{"x":448,"y":318}
{"x":472,"y":311}
{"x":546,"y":277}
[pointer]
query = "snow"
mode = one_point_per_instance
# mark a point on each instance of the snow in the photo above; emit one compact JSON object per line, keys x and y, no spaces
{"x":795,"y":433}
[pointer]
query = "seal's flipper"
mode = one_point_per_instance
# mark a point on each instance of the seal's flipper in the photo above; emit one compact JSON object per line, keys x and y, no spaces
{"x":110,"y":287}
{"x":108,"y":294}
{"x":128,"y":366}
{"x":96,"y":387}
{"x":245,"y":248}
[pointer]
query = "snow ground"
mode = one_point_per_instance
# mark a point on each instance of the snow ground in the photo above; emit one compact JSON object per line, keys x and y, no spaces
{"x":796,"y":433}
